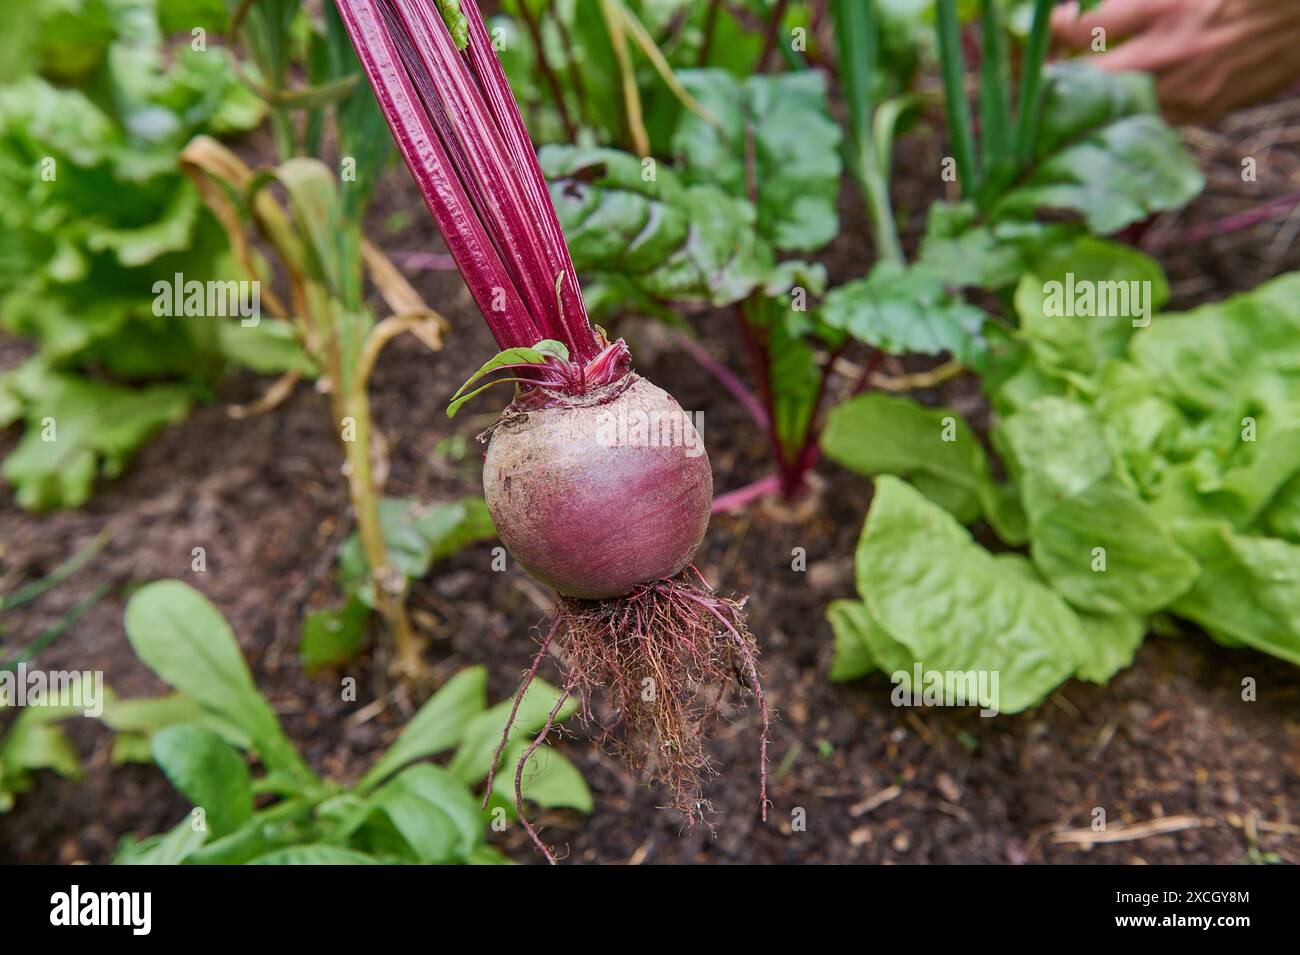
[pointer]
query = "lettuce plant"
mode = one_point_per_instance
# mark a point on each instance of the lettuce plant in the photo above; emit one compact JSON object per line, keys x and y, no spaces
{"x":1154,"y":475}
{"x":93,"y":111}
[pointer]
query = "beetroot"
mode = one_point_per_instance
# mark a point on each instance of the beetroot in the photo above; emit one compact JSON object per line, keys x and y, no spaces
{"x":597,"y":494}
{"x":596,"y":480}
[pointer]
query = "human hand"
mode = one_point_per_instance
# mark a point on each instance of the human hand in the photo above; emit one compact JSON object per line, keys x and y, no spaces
{"x":1207,"y":56}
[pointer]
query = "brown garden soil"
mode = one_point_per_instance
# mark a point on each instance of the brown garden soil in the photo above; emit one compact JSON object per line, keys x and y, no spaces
{"x":1168,"y":737}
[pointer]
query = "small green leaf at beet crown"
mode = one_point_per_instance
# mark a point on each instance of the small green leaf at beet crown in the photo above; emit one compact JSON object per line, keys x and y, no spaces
{"x":538,"y":354}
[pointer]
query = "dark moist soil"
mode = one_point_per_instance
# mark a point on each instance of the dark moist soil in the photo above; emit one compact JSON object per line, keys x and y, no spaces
{"x":853,"y":779}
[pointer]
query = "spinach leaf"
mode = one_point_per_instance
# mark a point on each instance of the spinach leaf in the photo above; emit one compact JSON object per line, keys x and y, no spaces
{"x":774,"y":142}
{"x":907,"y":309}
{"x":637,"y":226}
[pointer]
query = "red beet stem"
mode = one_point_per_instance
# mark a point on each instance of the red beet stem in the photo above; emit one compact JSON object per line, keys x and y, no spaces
{"x":460,"y":132}
{"x":505,"y":112}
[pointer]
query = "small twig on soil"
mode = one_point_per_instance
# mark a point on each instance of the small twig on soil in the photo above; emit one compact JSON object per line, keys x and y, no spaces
{"x":642,"y":852}
{"x":1063,"y":702}
{"x":539,"y":598}
{"x":899,"y":383}
{"x":921,"y":729}
{"x":888,"y":794}
{"x":271,"y":399}
{"x":1281,"y":828}
{"x":1103,"y":740}
{"x":1153,"y":827}
{"x":1252,"y":819}
{"x":367,"y":712}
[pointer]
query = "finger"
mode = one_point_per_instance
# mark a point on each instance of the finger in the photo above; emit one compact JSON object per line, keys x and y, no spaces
{"x":1119,"y":18}
{"x":1147,"y":53}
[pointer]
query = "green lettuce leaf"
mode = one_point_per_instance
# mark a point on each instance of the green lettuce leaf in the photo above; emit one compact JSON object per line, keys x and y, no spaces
{"x":876,"y":433}
{"x":1248,"y":591}
{"x":78,"y":430}
{"x":1218,"y":356}
{"x":955,"y":607}
{"x":1127,"y":287}
{"x":1113,"y":641}
{"x":1091,"y":535}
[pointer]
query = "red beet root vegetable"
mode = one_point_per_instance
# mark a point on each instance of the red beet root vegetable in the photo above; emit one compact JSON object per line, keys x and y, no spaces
{"x":588,"y":515}
{"x":596,"y":480}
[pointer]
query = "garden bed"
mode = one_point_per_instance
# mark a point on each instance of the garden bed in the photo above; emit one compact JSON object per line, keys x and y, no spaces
{"x":1169,"y":737}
